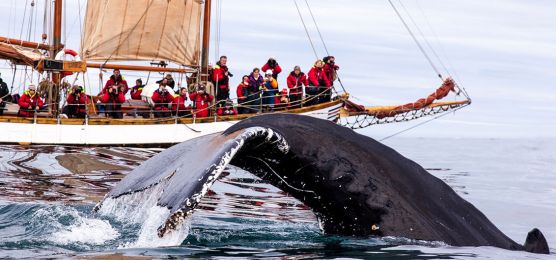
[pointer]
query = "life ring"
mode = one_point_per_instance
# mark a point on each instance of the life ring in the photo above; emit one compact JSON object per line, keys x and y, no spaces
{"x":61,"y":56}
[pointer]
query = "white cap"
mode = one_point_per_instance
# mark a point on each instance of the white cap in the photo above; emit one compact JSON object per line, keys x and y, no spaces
{"x":268,"y":72}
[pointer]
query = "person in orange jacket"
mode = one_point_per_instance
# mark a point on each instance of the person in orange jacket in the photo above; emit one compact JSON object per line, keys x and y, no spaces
{"x":201,"y":102}
{"x":270,"y":90}
{"x":29,"y":102}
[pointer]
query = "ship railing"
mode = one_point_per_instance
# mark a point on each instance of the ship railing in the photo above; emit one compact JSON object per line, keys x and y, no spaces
{"x":130,"y":110}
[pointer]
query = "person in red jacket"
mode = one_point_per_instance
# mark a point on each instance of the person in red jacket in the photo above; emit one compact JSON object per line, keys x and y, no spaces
{"x":76,"y":103}
{"x":227,"y":110}
{"x":201,"y":101}
{"x":272,"y":65}
{"x":116,"y":80}
{"x":113,"y":98}
{"x":162,"y":100}
{"x":137,"y":90}
{"x":221,"y":78}
{"x":179,"y":105}
{"x":318,"y":82}
{"x":330,"y":69}
{"x":296,"y":80}
{"x":242,"y":93}
{"x":29,"y":102}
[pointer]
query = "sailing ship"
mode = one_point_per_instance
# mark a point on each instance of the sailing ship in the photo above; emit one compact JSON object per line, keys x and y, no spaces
{"x":180,"y":38}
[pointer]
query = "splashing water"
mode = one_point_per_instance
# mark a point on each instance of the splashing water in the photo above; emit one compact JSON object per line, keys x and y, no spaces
{"x":67,"y":226}
{"x":141,"y":208}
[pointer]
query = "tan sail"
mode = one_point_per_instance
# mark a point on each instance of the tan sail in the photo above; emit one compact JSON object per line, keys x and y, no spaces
{"x":143,"y":30}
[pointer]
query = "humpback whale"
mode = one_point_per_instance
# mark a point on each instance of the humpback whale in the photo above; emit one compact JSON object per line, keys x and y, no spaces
{"x":355,"y":185}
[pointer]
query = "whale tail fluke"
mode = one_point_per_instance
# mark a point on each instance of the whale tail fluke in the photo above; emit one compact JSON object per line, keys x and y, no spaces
{"x":536,"y":243}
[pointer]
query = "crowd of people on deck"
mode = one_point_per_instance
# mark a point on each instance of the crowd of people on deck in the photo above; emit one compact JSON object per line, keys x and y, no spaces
{"x":257,"y":92}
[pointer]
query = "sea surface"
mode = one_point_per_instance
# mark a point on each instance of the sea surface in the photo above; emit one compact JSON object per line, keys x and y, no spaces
{"x":46,"y":202}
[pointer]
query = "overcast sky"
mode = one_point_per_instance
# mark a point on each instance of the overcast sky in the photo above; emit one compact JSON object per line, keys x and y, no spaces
{"x":502,"y":51}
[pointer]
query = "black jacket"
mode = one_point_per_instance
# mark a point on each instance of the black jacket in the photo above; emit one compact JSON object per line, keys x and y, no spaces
{"x":4,"y":91}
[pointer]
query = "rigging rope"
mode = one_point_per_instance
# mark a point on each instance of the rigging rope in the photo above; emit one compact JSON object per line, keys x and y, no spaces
{"x":306,"y":30}
{"x":23,"y":22}
{"x":31,"y":20}
{"x":424,"y":38}
{"x":218,"y":28}
{"x":322,"y":40}
{"x":317,"y":27}
{"x":416,"y":40}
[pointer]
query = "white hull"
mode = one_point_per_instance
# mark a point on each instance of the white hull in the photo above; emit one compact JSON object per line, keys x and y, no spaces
{"x":147,"y":134}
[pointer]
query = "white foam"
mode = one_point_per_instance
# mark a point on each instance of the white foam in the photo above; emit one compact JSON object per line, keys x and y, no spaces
{"x":86,"y":231}
{"x":80,"y":229}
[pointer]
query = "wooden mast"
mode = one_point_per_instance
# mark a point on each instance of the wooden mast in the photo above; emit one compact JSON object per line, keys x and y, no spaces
{"x":56,"y":46}
{"x":206,"y":40}
{"x":57,"y":31}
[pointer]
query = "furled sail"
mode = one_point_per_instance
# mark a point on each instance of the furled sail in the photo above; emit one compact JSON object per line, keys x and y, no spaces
{"x":142,"y":30}
{"x":19,"y":55}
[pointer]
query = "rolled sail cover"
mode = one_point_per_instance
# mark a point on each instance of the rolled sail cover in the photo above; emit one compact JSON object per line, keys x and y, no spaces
{"x":142,"y":30}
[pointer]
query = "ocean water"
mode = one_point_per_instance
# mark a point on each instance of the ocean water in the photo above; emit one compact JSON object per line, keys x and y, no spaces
{"x":46,"y":209}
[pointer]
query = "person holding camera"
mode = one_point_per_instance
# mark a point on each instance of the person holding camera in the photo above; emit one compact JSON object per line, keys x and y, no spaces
{"x":30,"y":102}
{"x":167,"y":81}
{"x":272,"y":65}
{"x":179,"y":105}
{"x":162,"y":100}
{"x":330,"y":69}
{"x":221,"y":77}
{"x":116,"y":80}
{"x":201,"y":101}
{"x":113,"y":97}
{"x":76,"y":103}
